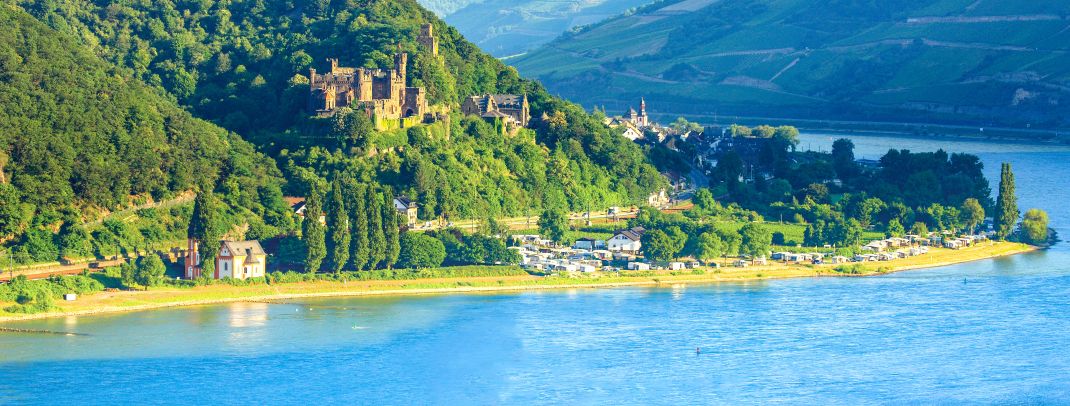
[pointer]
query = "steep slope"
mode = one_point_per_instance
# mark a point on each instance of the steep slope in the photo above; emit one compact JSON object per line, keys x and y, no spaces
{"x":510,"y":27}
{"x":959,"y":61}
{"x":78,"y":139}
{"x":243,"y":64}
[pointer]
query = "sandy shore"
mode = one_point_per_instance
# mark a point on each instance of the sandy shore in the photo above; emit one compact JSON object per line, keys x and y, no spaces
{"x":112,"y":302}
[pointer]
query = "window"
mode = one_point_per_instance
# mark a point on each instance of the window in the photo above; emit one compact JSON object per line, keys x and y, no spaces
{"x":225,"y":265}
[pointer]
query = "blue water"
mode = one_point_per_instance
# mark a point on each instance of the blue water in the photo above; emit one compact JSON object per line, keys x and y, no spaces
{"x":995,"y":331}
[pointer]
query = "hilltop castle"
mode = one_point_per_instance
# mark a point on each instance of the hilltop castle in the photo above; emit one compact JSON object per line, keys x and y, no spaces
{"x":382,"y":93}
{"x":427,"y":38}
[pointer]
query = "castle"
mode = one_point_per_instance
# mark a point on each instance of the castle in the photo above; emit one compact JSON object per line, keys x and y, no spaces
{"x":382,"y":93}
{"x":511,"y":109}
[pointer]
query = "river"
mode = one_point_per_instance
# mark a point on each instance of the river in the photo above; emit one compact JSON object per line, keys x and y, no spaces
{"x":994,"y":331}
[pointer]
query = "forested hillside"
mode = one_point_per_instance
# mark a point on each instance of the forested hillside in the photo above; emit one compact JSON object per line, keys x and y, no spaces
{"x":980,"y":62}
{"x":511,"y":27}
{"x":243,"y":65}
{"x":77,"y":139}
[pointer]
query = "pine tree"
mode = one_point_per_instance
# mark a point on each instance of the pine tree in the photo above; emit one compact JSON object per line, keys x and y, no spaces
{"x":337,"y":228}
{"x":358,"y":246}
{"x":391,"y":230}
{"x":376,"y":237}
{"x":312,"y":232}
{"x":1007,"y":204}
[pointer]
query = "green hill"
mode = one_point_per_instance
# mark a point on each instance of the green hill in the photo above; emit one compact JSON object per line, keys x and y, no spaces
{"x":510,"y":27}
{"x":954,"y":61}
{"x":242,"y":65}
{"x":78,"y":139}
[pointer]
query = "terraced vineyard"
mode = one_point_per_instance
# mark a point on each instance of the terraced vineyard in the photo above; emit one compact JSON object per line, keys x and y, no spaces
{"x":975,"y":62}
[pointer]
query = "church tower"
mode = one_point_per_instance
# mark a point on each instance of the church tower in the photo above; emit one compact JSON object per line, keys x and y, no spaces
{"x":643,"y":120}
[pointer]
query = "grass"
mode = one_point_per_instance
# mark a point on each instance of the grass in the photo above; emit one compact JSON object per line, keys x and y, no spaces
{"x":498,"y":278}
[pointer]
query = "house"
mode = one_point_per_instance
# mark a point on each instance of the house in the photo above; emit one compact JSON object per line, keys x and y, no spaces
{"x":407,"y":209}
{"x":240,"y":260}
{"x":626,"y":240}
{"x":589,"y":244}
{"x":236,"y":259}
{"x":297,"y":204}
{"x":676,"y":266}
{"x":658,"y":199}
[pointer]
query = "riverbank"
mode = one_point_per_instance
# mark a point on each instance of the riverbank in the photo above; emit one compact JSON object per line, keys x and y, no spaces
{"x":122,"y":301}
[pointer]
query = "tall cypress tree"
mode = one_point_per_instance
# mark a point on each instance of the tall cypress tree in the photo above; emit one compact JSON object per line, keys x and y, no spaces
{"x":376,"y":237}
{"x":1007,"y":205}
{"x":312,"y":232}
{"x":204,"y":227}
{"x":337,"y":228}
{"x":391,"y":225}
{"x":358,"y":246}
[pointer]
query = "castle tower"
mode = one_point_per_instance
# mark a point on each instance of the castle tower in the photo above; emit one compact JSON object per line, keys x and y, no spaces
{"x":427,"y":38}
{"x":401,"y":61}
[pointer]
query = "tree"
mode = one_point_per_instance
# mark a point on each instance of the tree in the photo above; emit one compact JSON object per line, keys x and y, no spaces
{"x":920,"y":229}
{"x":1035,"y":227}
{"x":658,"y":245}
{"x":337,"y":228}
{"x":204,"y":227}
{"x":149,"y":271}
{"x":729,"y":169}
{"x":843,"y":159}
{"x":553,"y":221}
{"x":894,"y":229}
{"x":779,"y":238}
{"x":710,"y":247}
{"x":420,"y":251}
{"x":376,"y":234}
{"x":973,"y":214}
{"x":358,"y":220}
{"x":756,"y":240}
{"x":13,"y":212}
{"x":37,"y":245}
{"x":869,"y":208}
{"x":391,"y":229}
{"x":1007,"y":204}
{"x":731,"y":241}
{"x":312,"y":231}
{"x":704,"y":200}
{"x":75,"y":242}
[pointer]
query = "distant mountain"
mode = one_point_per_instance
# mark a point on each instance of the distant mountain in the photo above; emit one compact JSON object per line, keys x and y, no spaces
{"x":980,"y":62}
{"x":510,"y":27}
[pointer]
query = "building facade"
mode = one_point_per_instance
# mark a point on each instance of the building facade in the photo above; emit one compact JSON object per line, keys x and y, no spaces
{"x":236,"y":259}
{"x":240,"y":260}
{"x":511,"y":108}
{"x":407,"y":209}
{"x":381,"y":93}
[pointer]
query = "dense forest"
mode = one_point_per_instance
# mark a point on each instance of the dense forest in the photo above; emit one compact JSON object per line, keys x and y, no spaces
{"x":77,"y":139}
{"x":116,"y":103}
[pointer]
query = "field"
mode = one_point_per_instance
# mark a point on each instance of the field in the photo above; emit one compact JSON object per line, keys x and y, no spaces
{"x":944,"y":61}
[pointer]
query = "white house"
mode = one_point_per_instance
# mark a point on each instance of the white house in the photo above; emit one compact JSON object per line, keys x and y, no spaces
{"x":240,"y":260}
{"x":407,"y":209}
{"x":626,"y":240}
